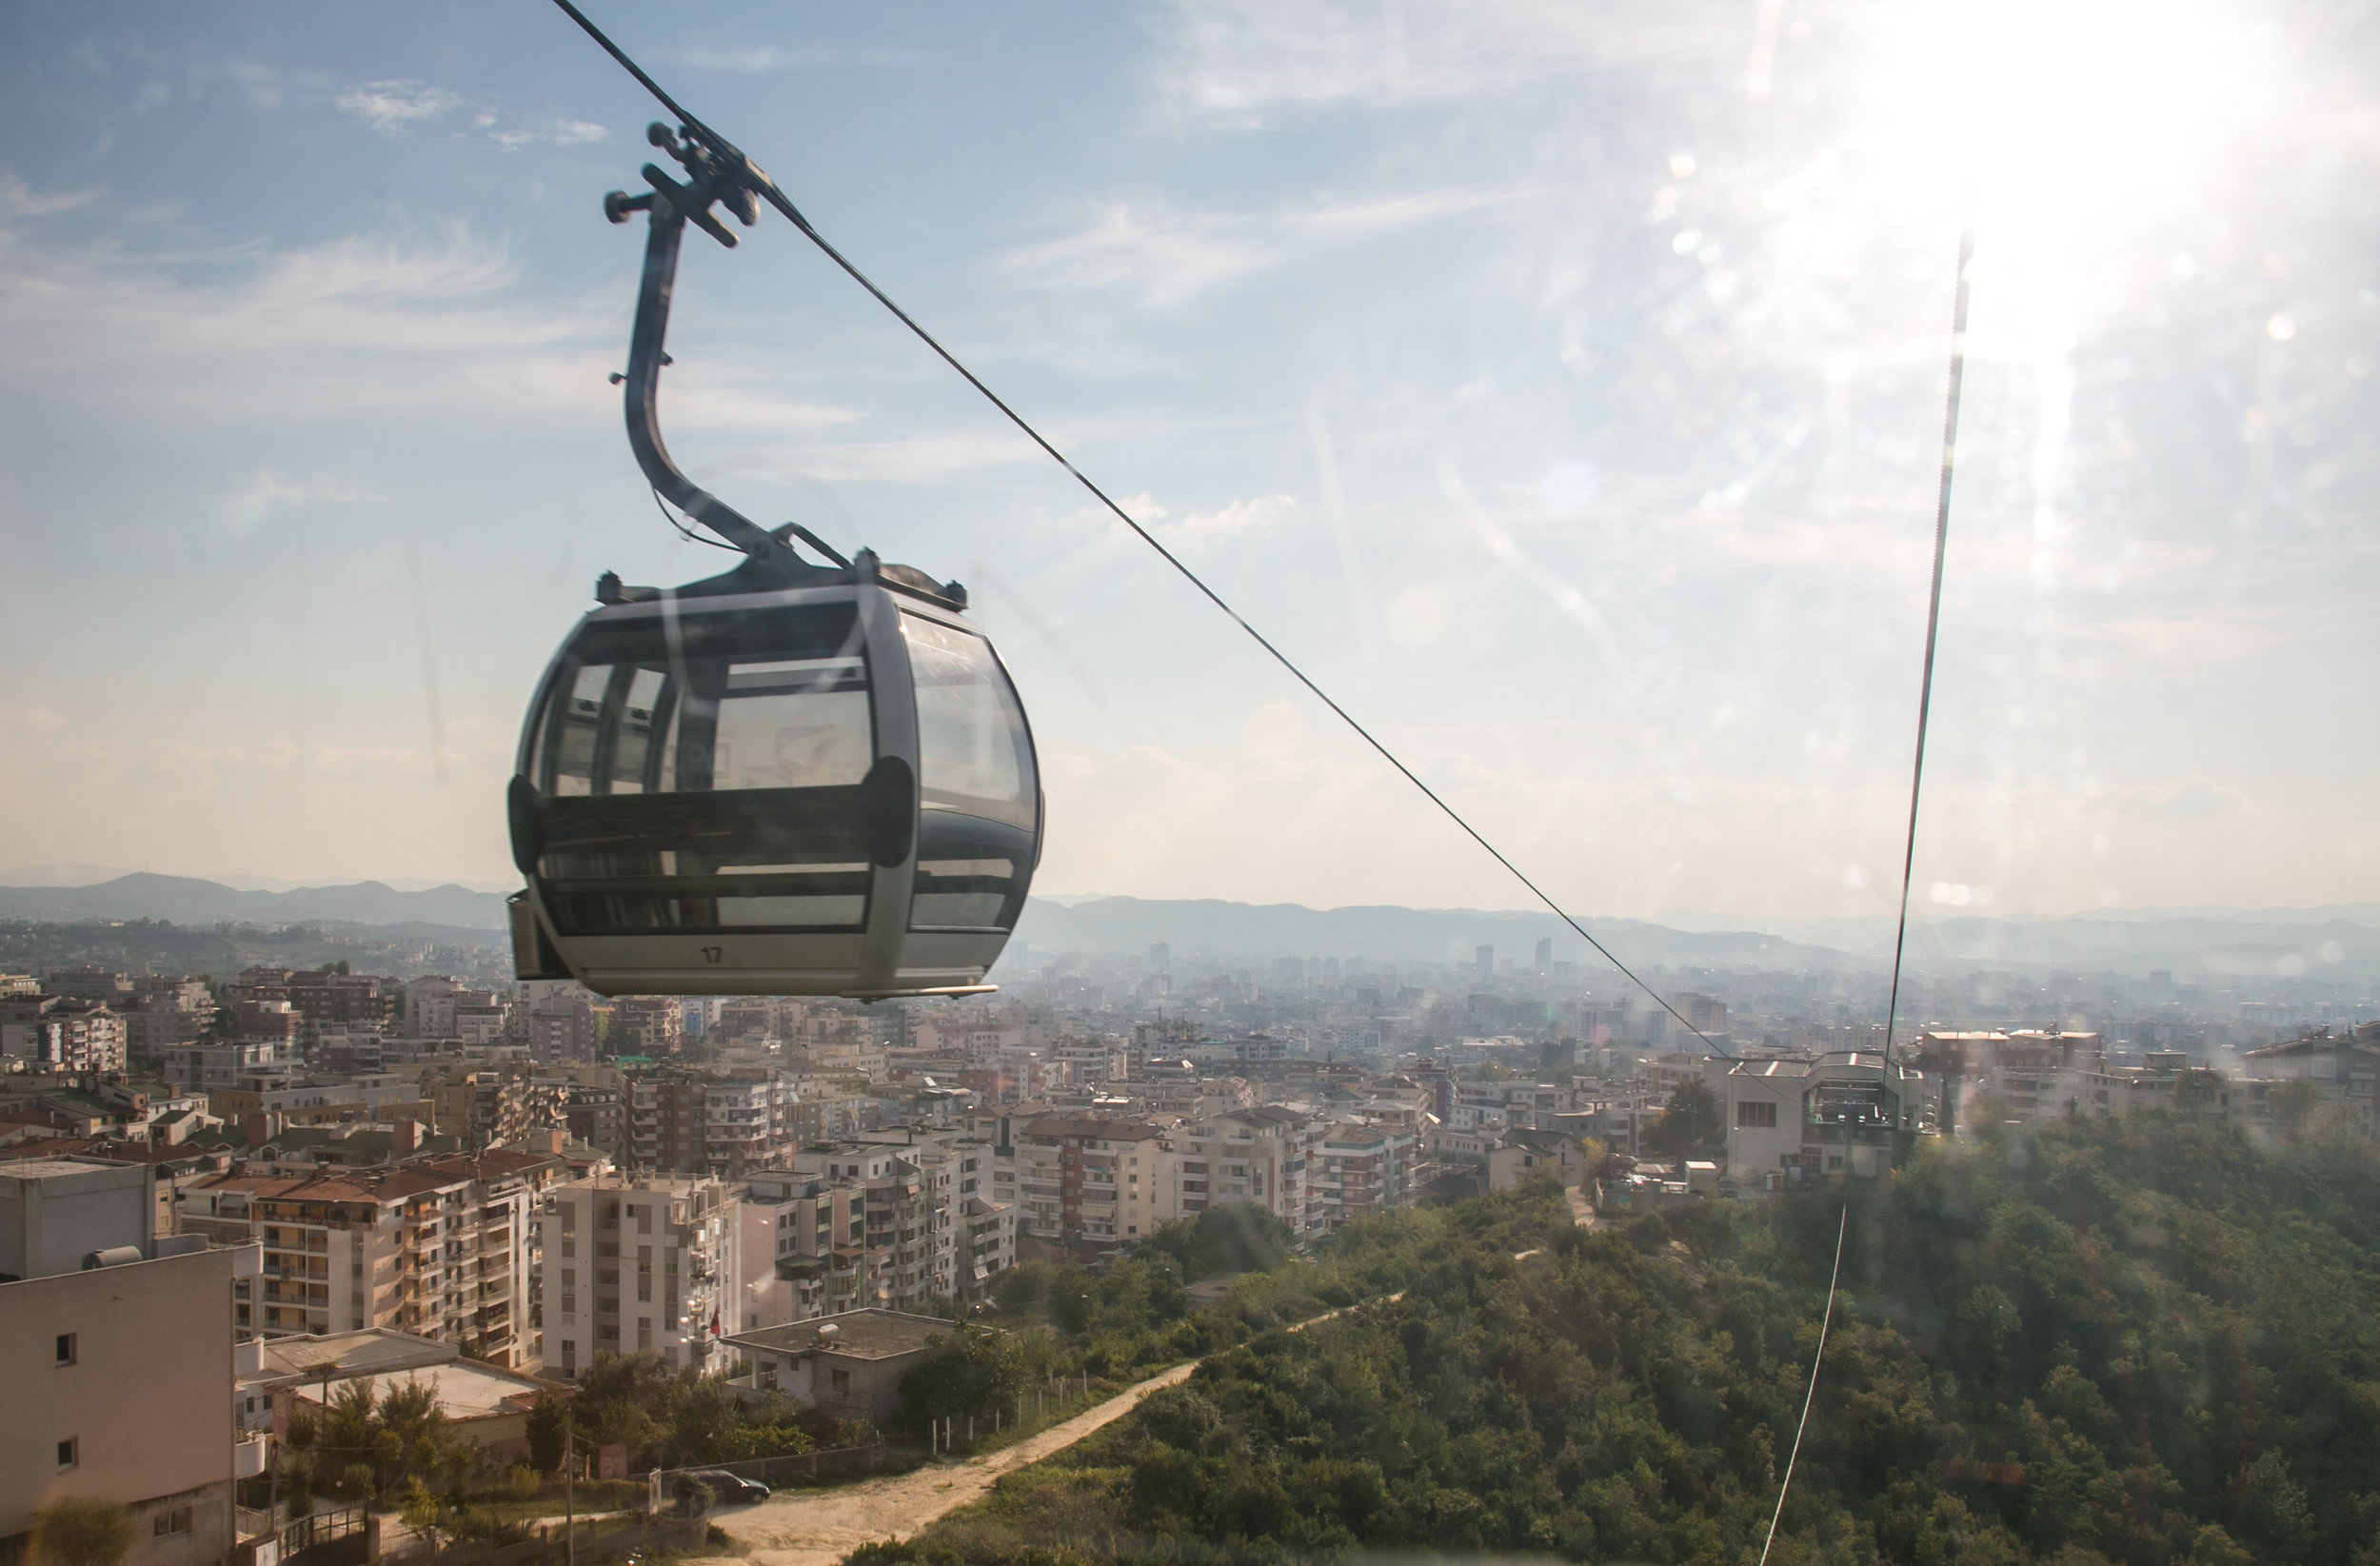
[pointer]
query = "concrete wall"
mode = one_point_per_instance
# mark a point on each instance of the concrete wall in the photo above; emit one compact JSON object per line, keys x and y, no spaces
{"x":50,"y":1219}
{"x":147,"y":1400}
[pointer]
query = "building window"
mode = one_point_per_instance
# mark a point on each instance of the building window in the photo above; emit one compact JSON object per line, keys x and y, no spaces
{"x":175,"y":1521}
{"x":840,"y":1379}
{"x":69,"y":1453}
{"x":1752,"y":1114}
{"x":65,"y":1348}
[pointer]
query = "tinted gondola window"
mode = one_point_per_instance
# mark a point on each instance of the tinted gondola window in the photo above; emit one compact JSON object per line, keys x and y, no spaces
{"x":973,"y":751}
{"x":771,"y":710}
{"x":797,"y":723}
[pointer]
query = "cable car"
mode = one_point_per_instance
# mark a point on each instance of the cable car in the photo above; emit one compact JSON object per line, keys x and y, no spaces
{"x":790,"y":778}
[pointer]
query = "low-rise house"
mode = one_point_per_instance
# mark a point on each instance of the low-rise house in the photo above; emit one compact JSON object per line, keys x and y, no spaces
{"x":848,"y":1365}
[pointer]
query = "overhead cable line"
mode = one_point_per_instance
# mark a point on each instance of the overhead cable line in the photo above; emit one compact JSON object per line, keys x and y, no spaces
{"x":767,"y":190}
{"x":1934,"y":615}
{"x":1810,"y":1396}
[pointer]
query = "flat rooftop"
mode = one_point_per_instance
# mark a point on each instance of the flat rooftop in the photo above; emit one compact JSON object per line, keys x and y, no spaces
{"x":862,"y":1335}
{"x":372,"y":1350}
{"x":465,"y":1388}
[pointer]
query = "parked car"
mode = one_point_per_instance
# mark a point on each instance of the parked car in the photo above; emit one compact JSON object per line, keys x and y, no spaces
{"x":730,"y":1489}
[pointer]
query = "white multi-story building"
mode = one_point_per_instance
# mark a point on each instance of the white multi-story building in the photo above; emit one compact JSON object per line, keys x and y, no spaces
{"x":1363,"y":1169}
{"x":635,"y":1265}
{"x":116,"y":1351}
{"x":1262,"y":1154}
{"x":217,"y":1065}
{"x":64,"y":1034}
{"x":869,"y":1224}
{"x":1789,"y":1121}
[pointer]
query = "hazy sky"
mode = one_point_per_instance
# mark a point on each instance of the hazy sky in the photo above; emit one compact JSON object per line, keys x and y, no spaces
{"x":1562,"y":383}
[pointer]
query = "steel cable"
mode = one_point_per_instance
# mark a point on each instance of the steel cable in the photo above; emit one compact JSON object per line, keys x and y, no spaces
{"x":768,"y":191}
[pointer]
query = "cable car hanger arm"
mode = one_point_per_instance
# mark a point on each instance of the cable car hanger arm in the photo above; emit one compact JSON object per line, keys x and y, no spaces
{"x":670,"y":207}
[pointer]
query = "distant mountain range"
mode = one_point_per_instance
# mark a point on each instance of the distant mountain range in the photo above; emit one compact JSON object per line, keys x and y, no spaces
{"x":2195,"y":944}
{"x":1209,"y":929}
{"x":186,"y":901}
{"x":2212,"y":943}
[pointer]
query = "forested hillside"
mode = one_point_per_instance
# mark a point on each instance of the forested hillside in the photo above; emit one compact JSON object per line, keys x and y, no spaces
{"x":2139,"y":1340}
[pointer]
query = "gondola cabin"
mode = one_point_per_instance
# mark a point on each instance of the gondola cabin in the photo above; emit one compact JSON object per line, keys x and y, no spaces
{"x":823,"y":790}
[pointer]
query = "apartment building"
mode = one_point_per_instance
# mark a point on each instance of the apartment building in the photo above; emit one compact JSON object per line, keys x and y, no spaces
{"x":701,"y":1124}
{"x":217,"y":1065}
{"x":164,"y":1011}
{"x":1362,"y":1169}
{"x":325,"y":1003}
{"x":1790,"y":1120}
{"x":871,"y":1222}
{"x":648,"y":1025}
{"x":634,"y":1265}
{"x":440,"y":1247}
{"x":117,"y":1379}
{"x":62,"y":1032}
{"x":488,"y":1106}
{"x":1087,"y":1180}
{"x":801,"y":1249}
{"x":1263,"y":1156}
{"x":597,"y":1114}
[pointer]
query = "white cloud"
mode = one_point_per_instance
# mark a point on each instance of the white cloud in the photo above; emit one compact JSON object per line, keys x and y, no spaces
{"x":1203,"y":531}
{"x":350,"y":325}
{"x":1167,"y":254}
{"x":1164,"y":256}
{"x":391,"y":108}
{"x":754,"y":59}
{"x":19,"y":201}
{"x":268,"y":495}
{"x":1238,"y":57}
{"x":561,"y":133}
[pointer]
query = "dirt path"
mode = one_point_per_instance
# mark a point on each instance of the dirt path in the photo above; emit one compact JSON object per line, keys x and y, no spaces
{"x":819,"y":1528}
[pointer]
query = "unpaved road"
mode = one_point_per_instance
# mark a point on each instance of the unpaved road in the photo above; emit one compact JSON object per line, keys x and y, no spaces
{"x":819,"y":1527}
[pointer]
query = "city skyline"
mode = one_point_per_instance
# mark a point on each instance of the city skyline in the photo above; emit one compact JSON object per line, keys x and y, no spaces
{"x":1568,"y":406}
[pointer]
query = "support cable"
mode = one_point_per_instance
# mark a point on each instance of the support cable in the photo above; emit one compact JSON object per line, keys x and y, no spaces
{"x":1934,"y":617}
{"x":1816,"y":1360}
{"x":768,"y":191}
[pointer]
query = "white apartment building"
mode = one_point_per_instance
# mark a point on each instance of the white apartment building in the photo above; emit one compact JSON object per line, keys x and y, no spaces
{"x":216,"y":1065}
{"x":65,"y":1035}
{"x":635,"y":1265}
{"x":1790,"y":1120}
{"x":1362,"y":1169}
{"x":118,"y":1381}
{"x":1263,"y":1155}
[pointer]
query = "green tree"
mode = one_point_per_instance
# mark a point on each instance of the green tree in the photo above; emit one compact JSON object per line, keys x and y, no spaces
{"x":546,"y":1432}
{"x":2196,"y":1094}
{"x":424,"y":1513}
{"x":1240,"y":1237}
{"x":409,"y":1430}
{"x":1692,"y":1125}
{"x":80,"y":1531}
{"x":2293,"y":1105}
{"x":970,"y":1370}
